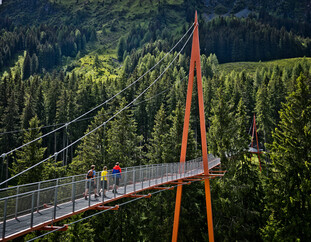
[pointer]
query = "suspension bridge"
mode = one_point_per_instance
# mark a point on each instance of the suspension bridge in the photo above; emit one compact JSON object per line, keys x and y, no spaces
{"x":37,"y":206}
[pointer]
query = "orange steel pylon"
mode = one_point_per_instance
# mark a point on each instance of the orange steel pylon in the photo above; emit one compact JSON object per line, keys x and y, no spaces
{"x":195,"y":63}
{"x":255,"y":131}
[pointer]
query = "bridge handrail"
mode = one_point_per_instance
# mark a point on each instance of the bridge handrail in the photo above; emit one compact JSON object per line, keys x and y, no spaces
{"x":211,"y":158}
{"x":98,"y":176}
{"x":68,"y":177}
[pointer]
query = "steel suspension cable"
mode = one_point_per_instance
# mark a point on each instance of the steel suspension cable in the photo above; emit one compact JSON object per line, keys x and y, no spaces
{"x":98,"y":106}
{"x":104,"y":123}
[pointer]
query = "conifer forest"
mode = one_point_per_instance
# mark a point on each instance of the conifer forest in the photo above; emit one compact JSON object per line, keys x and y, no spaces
{"x":61,"y":58}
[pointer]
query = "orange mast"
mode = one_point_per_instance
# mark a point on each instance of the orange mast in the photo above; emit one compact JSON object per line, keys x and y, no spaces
{"x":195,"y":63}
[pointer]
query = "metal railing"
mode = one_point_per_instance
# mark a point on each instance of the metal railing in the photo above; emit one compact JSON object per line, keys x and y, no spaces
{"x":30,"y":205}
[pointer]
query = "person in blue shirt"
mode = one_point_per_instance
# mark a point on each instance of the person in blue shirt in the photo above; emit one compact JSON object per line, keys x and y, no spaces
{"x":116,"y":177}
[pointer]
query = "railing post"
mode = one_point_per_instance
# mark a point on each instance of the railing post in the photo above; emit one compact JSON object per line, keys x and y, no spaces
{"x":142,"y":177}
{"x":150,"y":170}
{"x":157,"y":175}
{"x":103,"y":185}
{"x":170,"y":169}
{"x":161,"y":173}
{"x":73,"y":194}
{"x":16,"y":205}
{"x":191,"y":168}
{"x":166,"y":172}
{"x":4,"y":218}
{"x":98,"y":177}
{"x":114,"y":185}
{"x":89,"y":185}
{"x":151,"y":173}
{"x":134,"y":179}
{"x":125,"y":181}
{"x":186,"y":168}
{"x":38,"y":196}
{"x":180,"y":169}
{"x":32,"y":208}
{"x":55,"y":199}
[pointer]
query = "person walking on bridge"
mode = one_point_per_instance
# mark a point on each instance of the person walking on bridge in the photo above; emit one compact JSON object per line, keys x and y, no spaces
{"x":91,"y":174}
{"x":103,"y":180}
{"x":116,"y":177}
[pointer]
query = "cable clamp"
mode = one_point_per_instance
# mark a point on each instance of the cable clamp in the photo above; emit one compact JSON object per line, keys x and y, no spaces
{"x":3,"y":155}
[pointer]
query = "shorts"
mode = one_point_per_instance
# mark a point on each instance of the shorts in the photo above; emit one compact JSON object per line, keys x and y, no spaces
{"x":104,"y":184}
{"x":117,"y":181}
{"x":92,"y":184}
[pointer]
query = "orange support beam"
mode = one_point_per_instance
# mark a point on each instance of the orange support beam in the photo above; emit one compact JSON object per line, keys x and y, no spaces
{"x":140,"y":195}
{"x":51,"y":228}
{"x":255,"y":131}
{"x":195,"y":63}
{"x":192,"y":179}
{"x":102,"y":207}
{"x":162,"y":188}
{"x":180,"y":183}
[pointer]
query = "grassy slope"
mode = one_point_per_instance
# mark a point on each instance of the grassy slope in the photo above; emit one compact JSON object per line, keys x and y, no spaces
{"x":251,"y":67}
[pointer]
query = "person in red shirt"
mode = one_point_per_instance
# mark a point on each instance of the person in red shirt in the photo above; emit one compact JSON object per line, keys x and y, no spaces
{"x":116,"y":177}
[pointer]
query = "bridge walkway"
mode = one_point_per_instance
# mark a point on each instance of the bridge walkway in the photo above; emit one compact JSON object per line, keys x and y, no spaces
{"x":46,"y":204}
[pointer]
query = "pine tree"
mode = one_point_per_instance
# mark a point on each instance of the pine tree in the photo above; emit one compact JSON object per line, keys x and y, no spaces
{"x":238,"y":203}
{"x":34,"y":64}
{"x":30,"y":155}
{"x":27,"y":66}
{"x":289,"y":202}
{"x":123,"y":141}
{"x":93,"y":148}
{"x":29,"y":110}
{"x":276,"y":92}
{"x":174,"y":138}
{"x":96,"y":62}
{"x":264,"y":114}
{"x":222,"y":126}
{"x":241,"y":138}
{"x":121,"y":48}
{"x":156,"y":148}
{"x":10,"y":122}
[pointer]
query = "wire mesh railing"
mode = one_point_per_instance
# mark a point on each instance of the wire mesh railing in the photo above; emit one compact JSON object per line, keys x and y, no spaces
{"x":29,"y":205}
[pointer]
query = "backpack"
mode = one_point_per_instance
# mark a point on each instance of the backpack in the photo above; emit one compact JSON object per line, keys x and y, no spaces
{"x":90,"y":174}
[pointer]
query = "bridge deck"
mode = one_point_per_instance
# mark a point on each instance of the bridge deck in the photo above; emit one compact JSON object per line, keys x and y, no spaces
{"x":33,"y":210}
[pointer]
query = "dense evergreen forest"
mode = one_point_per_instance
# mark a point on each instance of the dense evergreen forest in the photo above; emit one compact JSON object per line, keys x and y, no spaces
{"x":56,"y":66}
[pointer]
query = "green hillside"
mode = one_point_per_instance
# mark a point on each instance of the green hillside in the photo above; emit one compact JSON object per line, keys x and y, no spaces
{"x":116,"y":18}
{"x":251,"y":67}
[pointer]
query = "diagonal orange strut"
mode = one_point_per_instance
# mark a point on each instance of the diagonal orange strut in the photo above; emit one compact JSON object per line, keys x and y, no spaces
{"x":195,"y":62}
{"x":255,"y":131}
